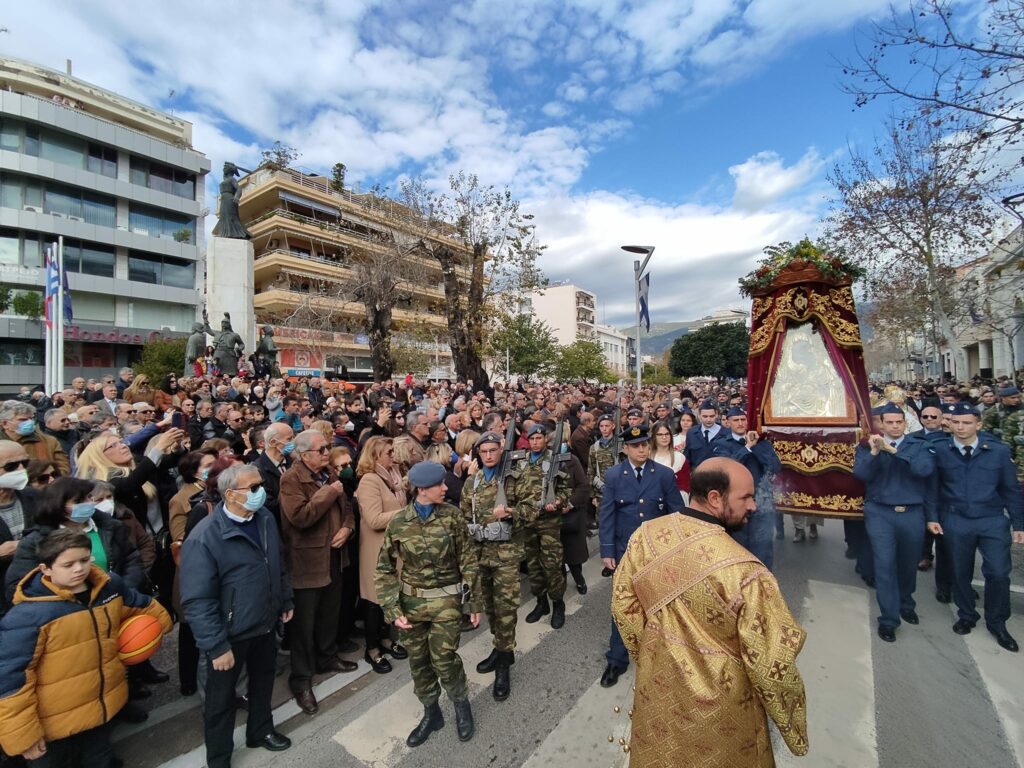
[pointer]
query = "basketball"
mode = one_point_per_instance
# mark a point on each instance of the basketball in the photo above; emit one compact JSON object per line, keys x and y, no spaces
{"x":138,"y":639}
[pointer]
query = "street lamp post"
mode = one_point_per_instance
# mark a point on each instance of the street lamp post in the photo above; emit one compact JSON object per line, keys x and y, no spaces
{"x":638,"y":273}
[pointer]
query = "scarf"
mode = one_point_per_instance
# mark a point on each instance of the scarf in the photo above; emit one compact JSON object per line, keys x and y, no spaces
{"x":393,"y":479}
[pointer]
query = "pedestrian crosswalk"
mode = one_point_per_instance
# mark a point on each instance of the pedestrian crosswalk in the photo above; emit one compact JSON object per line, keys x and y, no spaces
{"x":930,"y":700}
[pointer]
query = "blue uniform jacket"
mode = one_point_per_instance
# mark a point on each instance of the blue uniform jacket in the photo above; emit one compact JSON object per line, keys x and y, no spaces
{"x":625,"y":503}
{"x":983,"y":486}
{"x":760,"y":460}
{"x":900,"y":479}
{"x":232,"y":589}
{"x":697,"y":448}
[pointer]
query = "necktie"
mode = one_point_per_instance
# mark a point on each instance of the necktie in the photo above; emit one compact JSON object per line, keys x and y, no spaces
{"x":639,"y":474}
{"x":968,"y":449}
{"x":707,"y":435}
{"x":893,"y":443}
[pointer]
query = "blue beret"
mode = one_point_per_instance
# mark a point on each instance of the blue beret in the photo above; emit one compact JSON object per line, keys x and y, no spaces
{"x":890,"y":408}
{"x":735,"y":411}
{"x":489,"y":437}
{"x":635,"y":412}
{"x":606,"y":417}
{"x":962,"y":409}
{"x":707,"y":405}
{"x":397,"y":405}
{"x":1009,"y":391}
{"x":426,"y":474}
{"x":536,"y":429}
{"x":949,"y":407}
{"x":877,"y":410}
{"x":637,"y":434}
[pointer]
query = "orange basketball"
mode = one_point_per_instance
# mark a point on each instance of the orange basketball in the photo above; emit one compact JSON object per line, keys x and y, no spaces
{"x":139,"y":638}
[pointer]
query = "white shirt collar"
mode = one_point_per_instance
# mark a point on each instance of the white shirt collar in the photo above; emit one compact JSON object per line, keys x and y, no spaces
{"x":960,"y":446}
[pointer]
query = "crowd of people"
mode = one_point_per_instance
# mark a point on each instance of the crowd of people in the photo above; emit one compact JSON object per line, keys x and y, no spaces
{"x":314,"y":518}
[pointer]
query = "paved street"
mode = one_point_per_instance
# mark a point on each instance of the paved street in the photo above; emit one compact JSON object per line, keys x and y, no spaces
{"x":932,"y":699}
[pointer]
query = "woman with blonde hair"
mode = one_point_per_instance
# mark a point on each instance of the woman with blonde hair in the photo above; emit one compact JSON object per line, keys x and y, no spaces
{"x":139,"y":391}
{"x":326,"y":429}
{"x":381,"y":495}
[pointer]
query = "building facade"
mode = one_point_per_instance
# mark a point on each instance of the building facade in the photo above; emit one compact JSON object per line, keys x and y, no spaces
{"x":616,"y":347}
{"x":121,"y":183}
{"x":313,"y":244}
{"x":570,"y":311}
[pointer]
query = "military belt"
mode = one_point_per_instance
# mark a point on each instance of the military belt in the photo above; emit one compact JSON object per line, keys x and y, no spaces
{"x":452,"y":590}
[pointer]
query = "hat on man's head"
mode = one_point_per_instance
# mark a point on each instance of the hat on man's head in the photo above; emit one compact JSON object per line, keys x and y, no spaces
{"x":1009,"y":391}
{"x":606,"y":417}
{"x":949,"y":407}
{"x":426,"y":474}
{"x":707,"y":405}
{"x":635,"y":412}
{"x":537,"y":429}
{"x":397,"y":406}
{"x":735,"y":411}
{"x":885,"y":408}
{"x":637,"y":434}
{"x":962,"y":409}
{"x":488,"y":437}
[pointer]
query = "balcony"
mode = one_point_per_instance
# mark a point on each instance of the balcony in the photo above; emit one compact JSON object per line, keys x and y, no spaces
{"x":279,"y":300}
{"x":584,"y":301}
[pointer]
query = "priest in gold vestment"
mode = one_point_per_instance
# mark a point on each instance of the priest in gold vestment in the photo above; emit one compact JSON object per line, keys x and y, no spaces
{"x":713,"y":639}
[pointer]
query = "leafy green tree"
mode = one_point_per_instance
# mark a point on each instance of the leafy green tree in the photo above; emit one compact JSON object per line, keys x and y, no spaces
{"x":5,"y":298}
{"x":583,"y":359}
{"x":161,"y":357}
{"x":28,"y":304}
{"x":714,"y":350}
{"x":529,"y":342}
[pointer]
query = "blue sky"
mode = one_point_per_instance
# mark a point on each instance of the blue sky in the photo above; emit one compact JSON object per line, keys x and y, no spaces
{"x":704,"y":127}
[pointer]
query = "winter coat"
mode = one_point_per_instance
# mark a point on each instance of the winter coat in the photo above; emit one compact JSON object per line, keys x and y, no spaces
{"x":231,"y":588}
{"x":43,"y":447}
{"x":60,"y":673}
{"x":574,"y":522}
{"x":377,"y":505}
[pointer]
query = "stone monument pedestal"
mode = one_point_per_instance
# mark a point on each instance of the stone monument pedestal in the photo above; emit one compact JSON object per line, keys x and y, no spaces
{"x":230,"y":287}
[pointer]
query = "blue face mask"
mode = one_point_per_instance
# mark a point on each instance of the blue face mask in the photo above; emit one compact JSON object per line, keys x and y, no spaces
{"x":254,"y":500}
{"x":564,"y":448}
{"x":204,"y":475}
{"x":27,"y":427}
{"x":82,"y":511}
{"x":288,"y":447}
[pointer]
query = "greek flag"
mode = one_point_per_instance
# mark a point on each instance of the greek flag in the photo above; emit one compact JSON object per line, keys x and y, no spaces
{"x":645,"y":315}
{"x":52,"y":287}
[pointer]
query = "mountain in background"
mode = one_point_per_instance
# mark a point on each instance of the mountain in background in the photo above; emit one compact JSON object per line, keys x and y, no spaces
{"x":661,"y":337}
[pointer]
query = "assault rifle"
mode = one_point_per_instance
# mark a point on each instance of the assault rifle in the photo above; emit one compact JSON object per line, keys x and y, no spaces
{"x":557,"y":459}
{"x":616,"y":441}
{"x":509,"y":456}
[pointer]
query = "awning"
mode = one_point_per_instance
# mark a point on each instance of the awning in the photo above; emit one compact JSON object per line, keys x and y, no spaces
{"x":288,"y":197}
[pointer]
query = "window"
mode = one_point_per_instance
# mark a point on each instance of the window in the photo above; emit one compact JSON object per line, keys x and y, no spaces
{"x":57,"y":147}
{"x":156,"y":270}
{"x":102,"y":160}
{"x":162,"y":178}
{"x":88,"y":258}
{"x":10,"y":249}
{"x":18,"y":191}
{"x":16,"y":352}
{"x":159,"y":223}
{"x":10,"y":135}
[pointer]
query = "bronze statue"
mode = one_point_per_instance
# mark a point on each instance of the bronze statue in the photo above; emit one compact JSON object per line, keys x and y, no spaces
{"x":227,"y":347}
{"x":196,"y":346}
{"x":229,"y":224}
{"x":267,"y":349}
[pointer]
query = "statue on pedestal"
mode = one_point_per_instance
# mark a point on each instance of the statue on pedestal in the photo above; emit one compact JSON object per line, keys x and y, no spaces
{"x":266,"y":354}
{"x":229,"y":224}
{"x":196,"y":346}
{"x":227,"y":345}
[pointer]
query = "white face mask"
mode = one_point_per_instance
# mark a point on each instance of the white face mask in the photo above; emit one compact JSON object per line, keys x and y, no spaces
{"x":14,"y":481}
{"x":106,"y":506}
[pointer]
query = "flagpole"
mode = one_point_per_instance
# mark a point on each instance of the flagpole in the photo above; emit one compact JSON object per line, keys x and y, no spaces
{"x":638,"y":272}
{"x":48,"y":378}
{"x":59,"y":378}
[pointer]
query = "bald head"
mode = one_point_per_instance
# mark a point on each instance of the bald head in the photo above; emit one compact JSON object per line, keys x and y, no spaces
{"x":723,"y":488}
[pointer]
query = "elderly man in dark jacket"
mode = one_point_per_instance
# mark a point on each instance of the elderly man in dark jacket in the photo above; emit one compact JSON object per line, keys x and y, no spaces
{"x":234,"y":590}
{"x":316,"y":521}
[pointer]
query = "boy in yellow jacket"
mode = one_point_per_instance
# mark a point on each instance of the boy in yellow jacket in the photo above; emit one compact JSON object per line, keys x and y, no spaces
{"x":61,"y":680}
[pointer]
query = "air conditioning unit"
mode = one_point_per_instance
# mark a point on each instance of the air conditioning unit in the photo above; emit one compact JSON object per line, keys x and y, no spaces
{"x":32,"y":209}
{"x":76,"y":218}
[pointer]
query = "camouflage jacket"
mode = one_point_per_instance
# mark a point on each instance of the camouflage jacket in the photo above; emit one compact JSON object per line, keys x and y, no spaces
{"x":1012,"y":434}
{"x":530,"y":487}
{"x":994,"y":417}
{"x":435,"y":552}
{"x":601,"y":460}
{"x":480,"y":492}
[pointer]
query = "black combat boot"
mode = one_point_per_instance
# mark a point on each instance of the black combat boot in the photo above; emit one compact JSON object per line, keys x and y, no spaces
{"x":541,"y":609}
{"x":432,"y":721}
{"x":487,"y":665}
{"x":464,"y":720}
{"x":502,"y":683}
{"x":558,"y":614}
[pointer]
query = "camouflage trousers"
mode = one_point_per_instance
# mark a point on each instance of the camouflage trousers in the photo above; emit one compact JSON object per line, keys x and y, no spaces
{"x":544,"y":557}
{"x":433,"y":645}
{"x":499,"y":587}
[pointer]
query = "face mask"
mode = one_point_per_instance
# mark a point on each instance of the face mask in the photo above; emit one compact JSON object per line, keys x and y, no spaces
{"x":350,"y":427}
{"x":82,"y":511}
{"x":346,"y":473}
{"x":255,"y":500}
{"x":564,"y":448}
{"x":106,"y":506}
{"x":27,"y":427}
{"x":287,"y":448}
{"x":14,"y":481}
{"x":204,"y":475}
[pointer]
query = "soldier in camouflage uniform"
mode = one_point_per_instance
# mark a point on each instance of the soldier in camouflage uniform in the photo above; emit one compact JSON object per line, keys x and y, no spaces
{"x":1009,"y":406}
{"x":601,"y":456}
{"x":497,"y":532}
{"x":542,"y":529}
{"x":1011,"y":427}
{"x":430,"y":539}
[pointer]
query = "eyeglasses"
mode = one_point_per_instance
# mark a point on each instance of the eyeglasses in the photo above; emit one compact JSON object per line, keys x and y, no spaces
{"x":251,"y":488}
{"x":141,"y":413}
{"x":929,"y":418}
{"x":321,"y":449}
{"x":12,"y":466}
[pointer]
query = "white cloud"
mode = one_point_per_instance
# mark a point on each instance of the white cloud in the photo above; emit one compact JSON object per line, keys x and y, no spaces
{"x":764,"y":179}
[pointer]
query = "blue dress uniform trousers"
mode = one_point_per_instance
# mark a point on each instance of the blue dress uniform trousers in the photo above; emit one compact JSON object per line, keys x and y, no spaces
{"x":761,"y":460}
{"x":896,"y":538}
{"x":991,"y":537}
{"x":626,"y":503}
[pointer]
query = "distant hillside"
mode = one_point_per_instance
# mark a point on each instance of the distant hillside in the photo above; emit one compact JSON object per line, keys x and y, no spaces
{"x":657,"y":329}
{"x":661,"y":338}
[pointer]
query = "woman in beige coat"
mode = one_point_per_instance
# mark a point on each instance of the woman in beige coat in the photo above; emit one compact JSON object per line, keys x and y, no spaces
{"x":380,"y":495}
